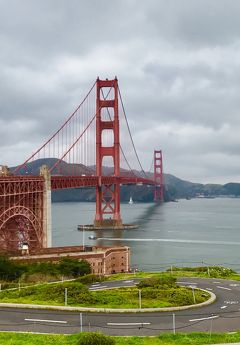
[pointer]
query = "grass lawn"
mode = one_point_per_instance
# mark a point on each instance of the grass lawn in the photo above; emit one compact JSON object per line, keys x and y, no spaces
{"x":79,"y":295}
{"x":165,"y":339}
{"x":213,"y":272}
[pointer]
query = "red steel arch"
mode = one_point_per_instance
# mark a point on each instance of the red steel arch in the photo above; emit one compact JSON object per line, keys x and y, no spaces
{"x":19,"y":225}
{"x":21,"y":212}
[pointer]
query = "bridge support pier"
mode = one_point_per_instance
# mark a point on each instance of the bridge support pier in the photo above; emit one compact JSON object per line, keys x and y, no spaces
{"x":47,"y":207}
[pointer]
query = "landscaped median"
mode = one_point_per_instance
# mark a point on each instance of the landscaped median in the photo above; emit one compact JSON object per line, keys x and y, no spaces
{"x":154,"y":294}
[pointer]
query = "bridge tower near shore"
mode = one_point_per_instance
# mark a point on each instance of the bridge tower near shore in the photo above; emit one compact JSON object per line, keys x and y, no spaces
{"x":158,"y":176}
{"x":107,"y":196}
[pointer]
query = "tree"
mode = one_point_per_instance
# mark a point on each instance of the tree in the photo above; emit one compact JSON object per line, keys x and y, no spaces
{"x":9,"y":270}
{"x":73,"y":267}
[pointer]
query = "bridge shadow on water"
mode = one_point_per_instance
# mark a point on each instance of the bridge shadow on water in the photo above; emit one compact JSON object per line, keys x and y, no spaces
{"x":104,"y":235}
{"x":148,"y":214}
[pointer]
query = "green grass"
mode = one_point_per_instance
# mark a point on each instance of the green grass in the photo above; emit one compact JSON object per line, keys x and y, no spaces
{"x":197,"y":272}
{"x":79,"y":295}
{"x":164,"y":339}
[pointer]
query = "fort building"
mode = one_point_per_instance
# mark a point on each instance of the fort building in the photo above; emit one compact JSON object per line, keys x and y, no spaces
{"x":103,"y":260}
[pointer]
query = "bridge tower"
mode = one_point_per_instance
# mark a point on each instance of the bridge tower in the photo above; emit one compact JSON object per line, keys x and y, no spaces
{"x":107,"y":196}
{"x":158,"y":176}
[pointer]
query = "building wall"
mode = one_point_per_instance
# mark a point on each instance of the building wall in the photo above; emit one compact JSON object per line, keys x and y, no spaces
{"x":103,"y":260}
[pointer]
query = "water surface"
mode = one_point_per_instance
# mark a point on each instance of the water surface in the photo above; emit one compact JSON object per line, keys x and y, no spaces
{"x":188,"y":232}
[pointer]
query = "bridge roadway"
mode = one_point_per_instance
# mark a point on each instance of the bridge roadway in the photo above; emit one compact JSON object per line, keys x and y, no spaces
{"x":221,"y":316}
{"x":60,"y":182}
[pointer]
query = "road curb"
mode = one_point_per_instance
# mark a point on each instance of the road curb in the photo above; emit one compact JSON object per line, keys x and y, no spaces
{"x":111,"y":310}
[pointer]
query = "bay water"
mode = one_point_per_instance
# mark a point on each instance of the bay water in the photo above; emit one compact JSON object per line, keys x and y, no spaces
{"x":185,"y":233}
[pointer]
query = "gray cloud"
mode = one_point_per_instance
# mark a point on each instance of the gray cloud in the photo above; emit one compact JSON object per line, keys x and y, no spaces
{"x":178,"y":64}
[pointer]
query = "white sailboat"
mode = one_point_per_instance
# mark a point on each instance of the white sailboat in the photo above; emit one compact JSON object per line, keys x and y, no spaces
{"x":130,"y":201}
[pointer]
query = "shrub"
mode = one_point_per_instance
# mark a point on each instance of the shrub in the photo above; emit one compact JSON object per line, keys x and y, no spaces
{"x":95,"y":339}
{"x":214,"y":271}
{"x":54,"y":293}
{"x":164,"y":281}
{"x":188,"y":269}
{"x":9,"y":270}
{"x":73,"y":267}
{"x":219,"y":271}
{"x":90,"y":278}
{"x":40,"y":277}
{"x":47,"y":268}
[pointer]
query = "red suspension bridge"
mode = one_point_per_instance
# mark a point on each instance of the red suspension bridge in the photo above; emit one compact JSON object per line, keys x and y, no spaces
{"x":88,"y":150}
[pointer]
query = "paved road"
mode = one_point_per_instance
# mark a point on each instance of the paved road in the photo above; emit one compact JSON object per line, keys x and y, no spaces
{"x":221,"y":316}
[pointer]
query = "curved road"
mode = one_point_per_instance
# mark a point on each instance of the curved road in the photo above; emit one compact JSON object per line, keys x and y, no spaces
{"x":221,"y":316}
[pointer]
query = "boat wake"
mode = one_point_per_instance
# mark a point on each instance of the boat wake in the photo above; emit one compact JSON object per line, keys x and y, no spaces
{"x":171,"y":240}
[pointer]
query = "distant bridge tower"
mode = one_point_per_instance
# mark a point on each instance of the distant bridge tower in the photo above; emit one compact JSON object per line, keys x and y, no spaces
{"x":158,"y":176}
{"x":107,"y":196}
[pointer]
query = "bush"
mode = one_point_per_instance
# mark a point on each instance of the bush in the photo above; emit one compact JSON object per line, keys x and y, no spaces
{"x":164,"y":281}
{"x":95,"y":339}
{"x":73,"y":267}
{"x":219,"y":271}
{"x":54,"y":293}
{"x":9,"y":270}
{"x":47,"y":268}
{"x":214,"y":271}
{"x":90,"y":278}
{"x":188,"y":269}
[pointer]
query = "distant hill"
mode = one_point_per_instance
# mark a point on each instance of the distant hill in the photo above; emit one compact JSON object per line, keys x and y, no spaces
{"x":175,"y":188}
{"x":64,"y":168}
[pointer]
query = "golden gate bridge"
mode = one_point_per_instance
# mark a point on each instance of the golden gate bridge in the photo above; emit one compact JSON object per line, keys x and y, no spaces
{"x":98,"y":155}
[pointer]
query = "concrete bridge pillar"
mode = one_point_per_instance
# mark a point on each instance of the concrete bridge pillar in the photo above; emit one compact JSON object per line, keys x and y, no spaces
{"x":47,"y":207}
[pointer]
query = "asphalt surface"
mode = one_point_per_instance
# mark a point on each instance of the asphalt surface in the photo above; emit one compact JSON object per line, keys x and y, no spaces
{"x":221,"y":316}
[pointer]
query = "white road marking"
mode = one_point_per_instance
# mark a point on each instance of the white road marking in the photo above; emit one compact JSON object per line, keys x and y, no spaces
{"x":231,"y":302}
{"x":216,"y":282}
{"x":93,"y":285}
{"x":128,"y":323}
{"x":224,"y":288}
{"x":234,"y":285}
{"x":98,"y":287}
{"x":209,"y":289}
{"x":128,"y":281}
{"x":205,"y":318}
{"x":187,"y":283}
{"x":39,"y":320}
{"x":224,"y":306}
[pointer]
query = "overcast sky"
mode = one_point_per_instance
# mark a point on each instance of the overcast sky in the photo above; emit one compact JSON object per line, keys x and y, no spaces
{"x":178,"y":65}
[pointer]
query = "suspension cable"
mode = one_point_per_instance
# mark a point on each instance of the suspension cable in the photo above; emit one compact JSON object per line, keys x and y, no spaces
{"x":121,"y":149}
{"x":124,"y":112}
{"x":63,"y":125}
{"x":151,"y":165}
{"x":77,"y":140}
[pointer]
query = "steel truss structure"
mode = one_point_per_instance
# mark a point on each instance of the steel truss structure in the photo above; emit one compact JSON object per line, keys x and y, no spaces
{"x":21,"y":212}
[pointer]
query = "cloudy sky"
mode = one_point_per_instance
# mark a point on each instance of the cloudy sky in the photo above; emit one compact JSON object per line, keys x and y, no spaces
{"x":178,"y":65}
